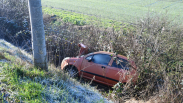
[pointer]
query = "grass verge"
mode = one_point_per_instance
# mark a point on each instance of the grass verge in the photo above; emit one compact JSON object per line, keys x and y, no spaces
{"x":17,"y":79}
{"x":21,"y":82}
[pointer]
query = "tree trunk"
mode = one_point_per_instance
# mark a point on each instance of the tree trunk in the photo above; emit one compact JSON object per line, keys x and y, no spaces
{"x":38,"y":34}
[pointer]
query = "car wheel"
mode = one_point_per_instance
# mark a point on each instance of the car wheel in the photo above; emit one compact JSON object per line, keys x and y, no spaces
{"x":72,"y":71}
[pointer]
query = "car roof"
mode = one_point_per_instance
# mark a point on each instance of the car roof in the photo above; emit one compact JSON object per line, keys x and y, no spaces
{"x":110,"y":53}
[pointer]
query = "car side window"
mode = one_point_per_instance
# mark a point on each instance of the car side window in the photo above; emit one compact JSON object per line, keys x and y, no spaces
{"x":120,"y":63}
{"x":103,"y":59}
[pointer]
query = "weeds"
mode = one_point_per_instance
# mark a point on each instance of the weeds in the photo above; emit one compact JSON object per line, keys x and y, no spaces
{"x":154,"y":44}
{"x":158,"y":56}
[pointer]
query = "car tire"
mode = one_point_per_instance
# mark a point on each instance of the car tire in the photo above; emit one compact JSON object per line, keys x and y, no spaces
{"x":72,"y":71}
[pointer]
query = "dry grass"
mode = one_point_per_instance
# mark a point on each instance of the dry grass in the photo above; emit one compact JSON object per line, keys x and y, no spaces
{"x":154,"y":44}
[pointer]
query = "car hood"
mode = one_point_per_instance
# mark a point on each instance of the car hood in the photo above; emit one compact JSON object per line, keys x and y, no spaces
{"x":83,"y":49}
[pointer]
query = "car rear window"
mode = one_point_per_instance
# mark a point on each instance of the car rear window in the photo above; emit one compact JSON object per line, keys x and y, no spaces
{"x":121,"y":63}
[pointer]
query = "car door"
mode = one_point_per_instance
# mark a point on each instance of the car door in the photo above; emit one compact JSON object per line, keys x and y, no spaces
{"x":93,"y":66}
{"x":118,"y":71}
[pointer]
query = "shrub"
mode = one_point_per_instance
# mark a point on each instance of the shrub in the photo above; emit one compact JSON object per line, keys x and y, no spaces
{"x":156,"y":47}
{"x":14,"y":19}
{"x":16,"y":10}
{"x":154,"y":44}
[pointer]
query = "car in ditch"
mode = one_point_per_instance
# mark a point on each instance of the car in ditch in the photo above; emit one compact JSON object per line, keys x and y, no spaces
{"x":103,"y":67}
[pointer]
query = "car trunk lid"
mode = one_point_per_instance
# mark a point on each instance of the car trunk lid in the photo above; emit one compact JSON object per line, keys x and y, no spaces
{"x":83,"y":49}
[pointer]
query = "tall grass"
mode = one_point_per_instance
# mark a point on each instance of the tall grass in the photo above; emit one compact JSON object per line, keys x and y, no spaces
{"x":155,"y":44}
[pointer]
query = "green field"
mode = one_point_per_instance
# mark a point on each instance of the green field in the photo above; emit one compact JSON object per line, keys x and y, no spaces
{"x":120,"y":10}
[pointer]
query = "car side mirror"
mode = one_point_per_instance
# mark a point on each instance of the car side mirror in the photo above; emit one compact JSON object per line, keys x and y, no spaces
{"x":90,"y":59}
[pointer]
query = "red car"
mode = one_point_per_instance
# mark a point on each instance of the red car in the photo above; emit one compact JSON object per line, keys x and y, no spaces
{"x":103,"y":67}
